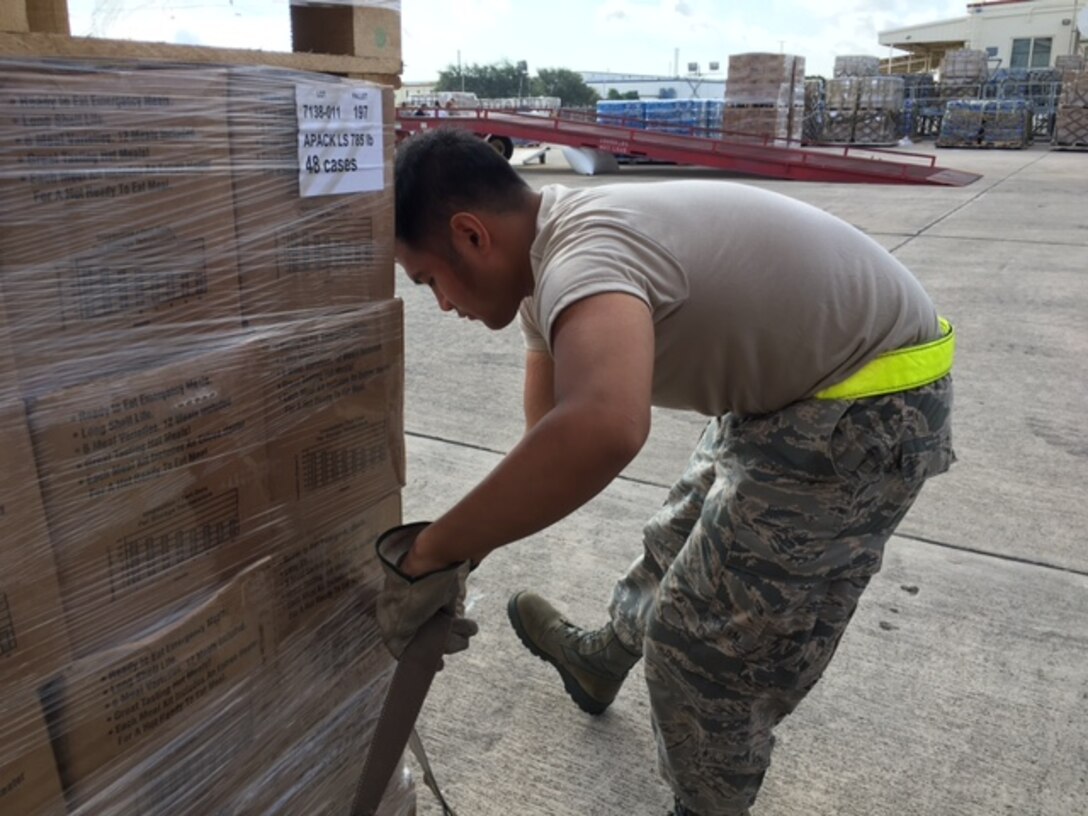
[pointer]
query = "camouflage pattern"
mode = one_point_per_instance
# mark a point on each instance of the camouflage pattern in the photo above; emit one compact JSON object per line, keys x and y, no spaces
{"x":754,"y":566}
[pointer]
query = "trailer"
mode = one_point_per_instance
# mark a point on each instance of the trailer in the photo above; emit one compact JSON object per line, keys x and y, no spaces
{"x":739,"y":153}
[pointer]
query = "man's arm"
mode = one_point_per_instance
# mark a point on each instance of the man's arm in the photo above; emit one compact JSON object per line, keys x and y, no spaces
{"x":539,"y":395}
{"x":602,"y":377}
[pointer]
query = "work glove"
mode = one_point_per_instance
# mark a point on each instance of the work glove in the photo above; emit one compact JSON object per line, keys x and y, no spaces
{"x":406,"y":603}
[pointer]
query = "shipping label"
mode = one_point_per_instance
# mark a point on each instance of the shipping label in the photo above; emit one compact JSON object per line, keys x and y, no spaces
{"x":340,"y":140}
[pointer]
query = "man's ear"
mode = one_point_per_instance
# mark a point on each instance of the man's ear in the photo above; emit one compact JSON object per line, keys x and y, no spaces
{"x":469,"y":233}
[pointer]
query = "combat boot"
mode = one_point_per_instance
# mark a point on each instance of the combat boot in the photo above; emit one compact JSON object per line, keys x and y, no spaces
{"x":592,"y":663}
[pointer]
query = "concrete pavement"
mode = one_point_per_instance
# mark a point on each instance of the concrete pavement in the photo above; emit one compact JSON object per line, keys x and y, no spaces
{"x":962,"y":685}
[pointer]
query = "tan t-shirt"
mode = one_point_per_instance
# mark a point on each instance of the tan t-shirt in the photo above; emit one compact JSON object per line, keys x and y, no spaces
{"x":758,"y":300}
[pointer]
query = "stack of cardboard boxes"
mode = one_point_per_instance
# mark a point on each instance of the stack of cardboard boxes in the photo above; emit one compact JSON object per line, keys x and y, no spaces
{"x":201,"y":384}
{"x":963,"y":72}
{"x":1071,"y":121}
{"x":765,"y":97}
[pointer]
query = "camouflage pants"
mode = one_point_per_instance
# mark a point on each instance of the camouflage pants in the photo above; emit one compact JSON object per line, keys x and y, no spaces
{"x":754,"y":566}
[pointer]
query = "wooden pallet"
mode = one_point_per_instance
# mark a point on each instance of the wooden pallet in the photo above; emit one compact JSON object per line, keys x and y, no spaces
{"x":351,"y":41}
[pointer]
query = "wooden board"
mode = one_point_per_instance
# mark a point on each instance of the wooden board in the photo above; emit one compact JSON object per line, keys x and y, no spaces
{"x":48,"y":16}
{"x":38,"y":45}
{"x":34,"y":15}
{"x":13,"y":16}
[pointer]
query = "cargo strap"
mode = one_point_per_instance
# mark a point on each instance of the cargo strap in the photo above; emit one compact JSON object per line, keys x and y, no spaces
{"x":898,"y":370}
{"x":396,"y":721}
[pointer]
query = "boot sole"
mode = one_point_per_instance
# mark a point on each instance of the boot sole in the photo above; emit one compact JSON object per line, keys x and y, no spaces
{"x":573,"y":687}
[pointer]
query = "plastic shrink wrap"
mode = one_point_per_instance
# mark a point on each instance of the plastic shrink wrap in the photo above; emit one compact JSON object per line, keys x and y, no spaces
{"x":201,"y":385}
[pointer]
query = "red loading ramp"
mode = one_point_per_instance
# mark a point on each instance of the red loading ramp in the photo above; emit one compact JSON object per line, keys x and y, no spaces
{"x":843,"y":165}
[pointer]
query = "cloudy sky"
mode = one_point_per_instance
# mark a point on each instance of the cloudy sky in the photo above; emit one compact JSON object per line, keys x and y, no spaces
{"x":631,"y":36}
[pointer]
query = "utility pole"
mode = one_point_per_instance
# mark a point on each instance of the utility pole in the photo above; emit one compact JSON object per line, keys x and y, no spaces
{"x":1075,"y":34}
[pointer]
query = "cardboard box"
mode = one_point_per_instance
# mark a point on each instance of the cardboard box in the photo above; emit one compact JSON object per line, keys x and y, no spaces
{"x":326,"y":587}
{"x":763,"y":123}
{"x":766,"y":79}
{"x":172,"y":715}
{"x":323,"y":566}
{"x":33,"y":635}
{"x":29,"y":782}
{"x":116,"y":228}
{"x":299,"y":254}
{"x":320,"y":771}
{"x":334,"y":393}
{"x":155,"y":487}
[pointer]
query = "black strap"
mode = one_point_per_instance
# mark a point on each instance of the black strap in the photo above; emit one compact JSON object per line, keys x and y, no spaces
{"x":416,"y":744}
{"x":411,"y":681}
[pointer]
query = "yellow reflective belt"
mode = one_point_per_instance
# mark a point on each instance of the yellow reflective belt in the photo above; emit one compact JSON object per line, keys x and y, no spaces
{"x":898,"y":370}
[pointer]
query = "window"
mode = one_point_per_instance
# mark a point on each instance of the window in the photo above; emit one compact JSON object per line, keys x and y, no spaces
{"x":1040,"y":53}
{"x":1030,"y":53}
{"x":991,"y":51}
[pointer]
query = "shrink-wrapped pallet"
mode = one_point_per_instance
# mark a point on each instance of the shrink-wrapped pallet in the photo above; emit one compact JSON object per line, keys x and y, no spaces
{"x":986,"y":123}
{"x":856,"y":66}
{"x":201,"y":388}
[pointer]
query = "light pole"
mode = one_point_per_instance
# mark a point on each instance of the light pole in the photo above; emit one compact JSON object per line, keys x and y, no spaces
{"x":523,"y":69}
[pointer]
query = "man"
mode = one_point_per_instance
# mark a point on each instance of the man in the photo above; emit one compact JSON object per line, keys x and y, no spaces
{"x":820,"y":363}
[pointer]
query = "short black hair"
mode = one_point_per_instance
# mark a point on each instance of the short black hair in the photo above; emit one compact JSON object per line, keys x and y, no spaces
{"x":446,"y":170}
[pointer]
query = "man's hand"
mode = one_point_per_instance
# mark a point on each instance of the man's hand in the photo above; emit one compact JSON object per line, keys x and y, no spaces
{"x":409,"y":600}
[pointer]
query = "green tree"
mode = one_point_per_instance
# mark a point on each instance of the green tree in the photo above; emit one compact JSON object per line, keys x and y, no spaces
{"x":566,"y":84}
{"x":614,"y":94}
{"x":500,"y":79}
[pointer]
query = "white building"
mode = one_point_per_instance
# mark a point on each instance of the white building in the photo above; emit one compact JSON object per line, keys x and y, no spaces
{"x":1015,"y":34}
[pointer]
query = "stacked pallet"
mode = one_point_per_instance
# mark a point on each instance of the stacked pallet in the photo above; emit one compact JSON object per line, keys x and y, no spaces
{"x":999,"y":123}
{"x":880,"y":111}
{"x":686,"y":117}
{"x":815,"y":107}
{"x":842,"y":105}
{"x":920,"y":105}
{"x":863,"y":110}
{"x":1071,"y":123}
{"x":201,"y":388}
{"x":1070,"y":63}
{"x":628,"y":113}
{"x":856,"y":66}
{"x":765,"y":97}
{"x":963,"y":71}
{"x":713,"y":113}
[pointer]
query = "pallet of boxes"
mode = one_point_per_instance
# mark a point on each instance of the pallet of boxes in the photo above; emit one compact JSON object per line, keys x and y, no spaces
{"x":969,"y":120}
{"x":812,"y":127}
{"x":764,"y":98}
{"x":862,"y":107}
{"x":1071,"y":120}
{"x":921,"y":107}
{"x":201,"y":387}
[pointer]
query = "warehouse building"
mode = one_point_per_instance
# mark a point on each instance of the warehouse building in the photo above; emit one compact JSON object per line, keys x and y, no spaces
{"x":1014,"y":34}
